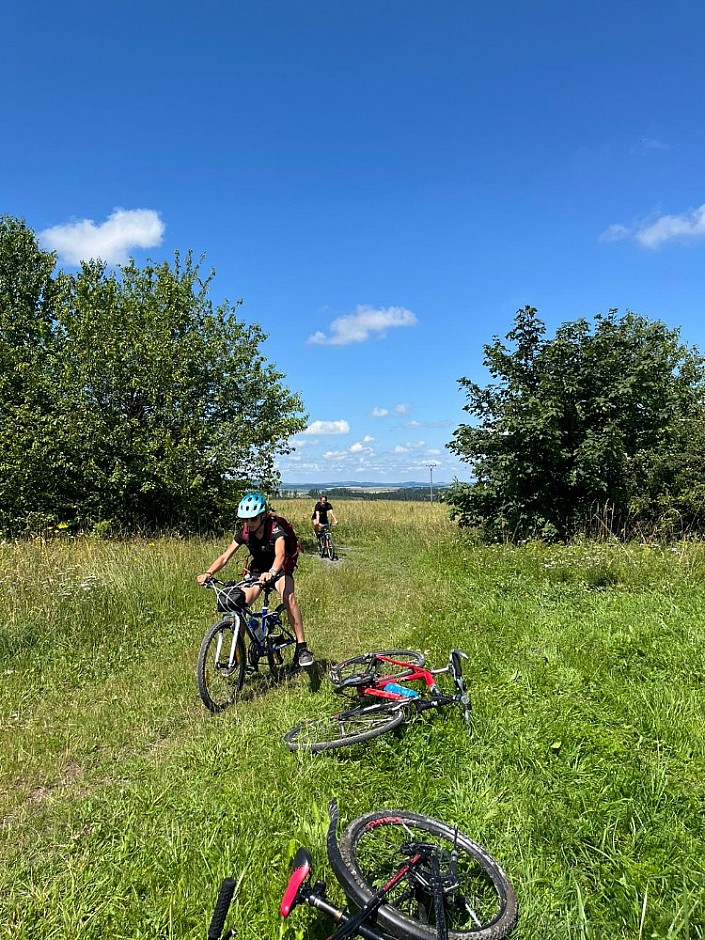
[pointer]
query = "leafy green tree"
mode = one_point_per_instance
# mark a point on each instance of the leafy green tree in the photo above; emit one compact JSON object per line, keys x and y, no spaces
{"x":604,"y":418}
{"x":127,"y":400}
{"x":169,"y":405}
{"x":27,"y":291}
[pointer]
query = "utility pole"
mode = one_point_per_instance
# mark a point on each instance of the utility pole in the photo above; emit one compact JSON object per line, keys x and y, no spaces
{"x":430,"y":470}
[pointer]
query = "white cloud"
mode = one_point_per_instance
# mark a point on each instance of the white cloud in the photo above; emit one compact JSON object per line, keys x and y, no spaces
{"x":432,"y":425}
{"x":379,"y":412}
{"x":359,"y":326}
{"x":410,"y":462}
{"x":408,"y":447}
{"x":299,"y":441}
{"x":668,"y":227}
{"x":615,"y":233}
{"x":403,"y":408}
{"x":111,"y":241}
{"x":654,"y":233}
{"x":327,"y":427}
{"x":359,"y":447}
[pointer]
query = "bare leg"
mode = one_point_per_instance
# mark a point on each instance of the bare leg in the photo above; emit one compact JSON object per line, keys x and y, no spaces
{"x":252,"y":593}
{"x":285,"y":589}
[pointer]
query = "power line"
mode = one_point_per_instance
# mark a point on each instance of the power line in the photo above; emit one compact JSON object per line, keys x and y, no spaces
{"x":430,"y":470}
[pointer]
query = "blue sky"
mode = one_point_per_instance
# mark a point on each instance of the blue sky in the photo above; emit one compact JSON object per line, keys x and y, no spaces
{"x":384,"y":183}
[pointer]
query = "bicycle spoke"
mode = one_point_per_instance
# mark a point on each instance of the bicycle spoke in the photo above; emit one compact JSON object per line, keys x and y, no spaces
{"x":344,"y":728}
{"x":472,"y":903}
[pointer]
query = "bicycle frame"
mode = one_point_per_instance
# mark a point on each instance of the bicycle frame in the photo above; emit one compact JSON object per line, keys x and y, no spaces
{"x":262,"y":617}
{"x":251,"y":619}
{"x":394,"y":688}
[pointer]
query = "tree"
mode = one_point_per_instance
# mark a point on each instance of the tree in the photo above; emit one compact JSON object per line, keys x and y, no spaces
{"x":601,"y":416}
{"x":127,"y":399}
{"x":27,"y":291}
{"x":179,"y":408}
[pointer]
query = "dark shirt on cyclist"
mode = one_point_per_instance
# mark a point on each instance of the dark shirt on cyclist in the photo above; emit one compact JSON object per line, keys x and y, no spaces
{"x":262,"y":549}
{"x":322,"y":509}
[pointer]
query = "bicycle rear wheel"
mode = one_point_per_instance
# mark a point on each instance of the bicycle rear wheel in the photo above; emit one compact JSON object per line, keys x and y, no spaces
{"x":479,"y":899}
{"x":368,"y":665}
{"x":344,"y":728}
{"x":221,"y":664}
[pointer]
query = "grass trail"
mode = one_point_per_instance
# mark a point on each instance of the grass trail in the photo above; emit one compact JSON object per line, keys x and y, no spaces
{"x":123,"y":803}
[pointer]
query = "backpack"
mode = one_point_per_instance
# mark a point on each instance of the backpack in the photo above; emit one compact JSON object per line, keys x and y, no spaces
{"x":292,"y":546}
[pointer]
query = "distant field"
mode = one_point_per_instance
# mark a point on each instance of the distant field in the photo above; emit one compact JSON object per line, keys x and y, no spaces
{"x":123,"y":803}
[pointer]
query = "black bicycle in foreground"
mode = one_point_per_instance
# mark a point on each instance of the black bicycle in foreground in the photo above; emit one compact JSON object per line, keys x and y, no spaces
{"x":406,"y":876}
{"x":224,"y":657}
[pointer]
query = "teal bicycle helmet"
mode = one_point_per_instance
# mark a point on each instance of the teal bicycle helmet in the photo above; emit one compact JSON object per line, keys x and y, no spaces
{"x":251,"y":504}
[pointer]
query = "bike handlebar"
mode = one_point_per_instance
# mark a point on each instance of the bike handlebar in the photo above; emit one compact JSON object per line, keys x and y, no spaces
{"x":222,"y":905}
{"x":250,"y":581}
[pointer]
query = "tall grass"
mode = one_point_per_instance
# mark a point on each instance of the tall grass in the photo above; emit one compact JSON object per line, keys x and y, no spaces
{"x":123,"y":802}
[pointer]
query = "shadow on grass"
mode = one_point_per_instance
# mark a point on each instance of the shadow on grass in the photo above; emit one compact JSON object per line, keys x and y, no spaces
{"x":317,"y":673}
{"x":261,"y":682}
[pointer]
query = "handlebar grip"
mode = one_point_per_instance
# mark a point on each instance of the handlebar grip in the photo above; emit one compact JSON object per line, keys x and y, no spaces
{"x":222,"y":906}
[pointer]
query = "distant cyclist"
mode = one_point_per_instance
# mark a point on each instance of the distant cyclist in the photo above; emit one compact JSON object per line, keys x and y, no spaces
{"x":321,"y":511}
{"x":274,"y":549}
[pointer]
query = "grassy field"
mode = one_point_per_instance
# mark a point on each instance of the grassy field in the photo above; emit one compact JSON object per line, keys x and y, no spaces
{"x":123,"y":802}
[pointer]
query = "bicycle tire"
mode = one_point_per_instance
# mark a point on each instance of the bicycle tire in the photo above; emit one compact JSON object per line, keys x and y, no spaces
{"x":344,"y":728}
{"x":369,"y":854}
{"x":219,"y":681}
{"x":330,"y":550}
{"x":364,"y":666}
{"x":281,"y":650}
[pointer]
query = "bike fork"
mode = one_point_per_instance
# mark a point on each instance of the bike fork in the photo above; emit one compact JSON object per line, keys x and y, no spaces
{"x":233,"y":646}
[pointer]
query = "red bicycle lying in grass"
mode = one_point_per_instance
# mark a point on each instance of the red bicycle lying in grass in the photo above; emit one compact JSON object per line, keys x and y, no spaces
{"x":406,"y":876}
{"x":381,"y":681}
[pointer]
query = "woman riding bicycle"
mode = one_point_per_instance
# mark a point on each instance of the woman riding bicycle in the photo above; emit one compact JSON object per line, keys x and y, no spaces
{"x":274,"y":550}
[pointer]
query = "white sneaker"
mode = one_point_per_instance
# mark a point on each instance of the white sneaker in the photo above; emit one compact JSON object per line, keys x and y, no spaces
{"x":305,"y":659}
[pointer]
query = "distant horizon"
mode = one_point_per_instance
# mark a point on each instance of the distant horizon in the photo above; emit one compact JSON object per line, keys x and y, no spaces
{"x":360,"y":484}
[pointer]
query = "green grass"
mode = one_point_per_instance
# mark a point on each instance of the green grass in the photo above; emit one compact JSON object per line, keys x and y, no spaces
{"x":123,"y":802}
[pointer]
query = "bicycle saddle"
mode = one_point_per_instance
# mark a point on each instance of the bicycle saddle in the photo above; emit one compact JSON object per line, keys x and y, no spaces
{"x":354,"y":681}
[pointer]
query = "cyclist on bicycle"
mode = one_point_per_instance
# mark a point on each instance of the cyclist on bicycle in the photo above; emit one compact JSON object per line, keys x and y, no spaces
{"x":274,"y":550}
{"x":321,"y":511}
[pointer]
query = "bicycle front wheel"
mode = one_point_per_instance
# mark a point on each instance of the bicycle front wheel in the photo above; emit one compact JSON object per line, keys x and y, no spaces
{"x":330,"y":551}
{"x":221,"y":665}
{"x":369,"y":665}
{"x":344,"y":728}
{"x":478,"y":898}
